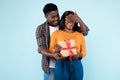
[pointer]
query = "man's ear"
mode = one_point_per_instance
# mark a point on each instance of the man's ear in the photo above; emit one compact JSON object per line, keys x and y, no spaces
{"x":46,"y":16}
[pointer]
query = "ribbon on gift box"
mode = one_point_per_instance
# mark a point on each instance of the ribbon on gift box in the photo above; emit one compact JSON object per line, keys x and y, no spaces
{"x":69,"y":47}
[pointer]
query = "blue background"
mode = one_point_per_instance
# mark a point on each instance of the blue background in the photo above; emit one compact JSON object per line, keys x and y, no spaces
{"x":19,"y":59}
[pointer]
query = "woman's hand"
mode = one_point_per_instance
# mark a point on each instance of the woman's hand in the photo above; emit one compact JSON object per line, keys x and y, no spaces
{"x":77,"y":56}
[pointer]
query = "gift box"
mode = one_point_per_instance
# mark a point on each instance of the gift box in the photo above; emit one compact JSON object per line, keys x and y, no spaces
{"x":68,"y":47}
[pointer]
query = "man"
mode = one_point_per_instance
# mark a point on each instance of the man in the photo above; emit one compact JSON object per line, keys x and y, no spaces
{"x":43,"y":33}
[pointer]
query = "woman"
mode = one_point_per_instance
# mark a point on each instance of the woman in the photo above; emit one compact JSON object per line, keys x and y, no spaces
{"x":70,"y":66}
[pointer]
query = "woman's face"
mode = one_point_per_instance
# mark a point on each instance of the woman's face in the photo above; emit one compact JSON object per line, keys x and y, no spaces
{"x":69,"y":23}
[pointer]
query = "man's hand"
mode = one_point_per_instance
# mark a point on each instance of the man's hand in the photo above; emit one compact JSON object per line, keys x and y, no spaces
{"x":73,"y":18}
{"x":58,"y":56}
{"x":57,"y":48}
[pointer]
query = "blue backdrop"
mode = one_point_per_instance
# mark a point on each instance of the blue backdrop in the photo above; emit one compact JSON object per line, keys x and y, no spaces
{"x":19,"y":59}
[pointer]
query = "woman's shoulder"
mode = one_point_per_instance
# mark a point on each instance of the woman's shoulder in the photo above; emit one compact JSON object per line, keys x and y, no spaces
{"x":57,"y":31}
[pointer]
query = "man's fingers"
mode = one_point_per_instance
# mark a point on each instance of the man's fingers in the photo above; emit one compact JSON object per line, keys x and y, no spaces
{"x":75,"y":13}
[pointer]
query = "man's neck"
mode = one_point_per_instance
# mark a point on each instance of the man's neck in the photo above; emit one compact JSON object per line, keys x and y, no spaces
{"x":52,"y":25}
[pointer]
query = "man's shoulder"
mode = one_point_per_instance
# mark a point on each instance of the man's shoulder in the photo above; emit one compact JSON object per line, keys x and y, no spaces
{"x":41,"y":26}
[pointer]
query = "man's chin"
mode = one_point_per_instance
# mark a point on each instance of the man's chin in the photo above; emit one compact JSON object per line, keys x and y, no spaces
{"x":54,"y":24}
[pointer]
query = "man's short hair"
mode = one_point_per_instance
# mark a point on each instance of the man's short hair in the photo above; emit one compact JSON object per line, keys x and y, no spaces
{"x":49,"y":7}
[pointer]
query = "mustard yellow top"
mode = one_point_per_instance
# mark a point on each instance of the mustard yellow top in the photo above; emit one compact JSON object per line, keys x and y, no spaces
{"x":60,"y":35}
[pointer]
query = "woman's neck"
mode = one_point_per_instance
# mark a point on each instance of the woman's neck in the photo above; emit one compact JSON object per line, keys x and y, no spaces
{"x":68,"y":31}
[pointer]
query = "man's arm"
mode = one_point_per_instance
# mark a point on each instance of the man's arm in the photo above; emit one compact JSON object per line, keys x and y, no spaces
{"x":40,"y":37}
{"x":83,"y":27}
{"x":42,"y":45}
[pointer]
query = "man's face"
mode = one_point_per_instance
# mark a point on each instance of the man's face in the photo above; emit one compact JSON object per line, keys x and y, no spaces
{"x":53,"y":18}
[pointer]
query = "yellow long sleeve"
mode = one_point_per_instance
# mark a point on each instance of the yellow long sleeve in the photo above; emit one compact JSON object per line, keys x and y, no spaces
{"x":60,"y":35}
